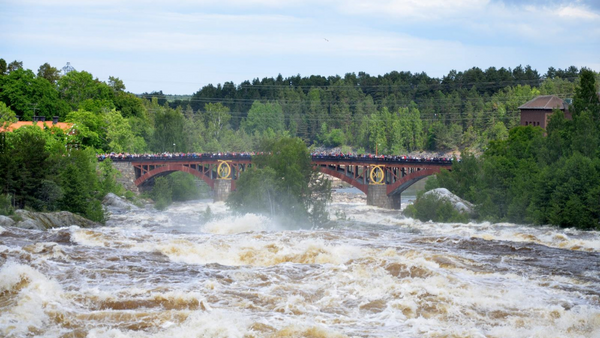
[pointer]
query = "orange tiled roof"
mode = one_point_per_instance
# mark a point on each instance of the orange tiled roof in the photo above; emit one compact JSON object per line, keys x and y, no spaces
{"x":14,"y":126}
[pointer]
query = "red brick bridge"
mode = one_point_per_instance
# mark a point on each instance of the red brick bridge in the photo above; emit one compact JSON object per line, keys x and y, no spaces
{"x":382,"y":179}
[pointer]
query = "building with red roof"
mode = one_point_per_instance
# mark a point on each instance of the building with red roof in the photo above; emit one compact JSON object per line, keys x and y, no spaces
{"x":537,"y":112}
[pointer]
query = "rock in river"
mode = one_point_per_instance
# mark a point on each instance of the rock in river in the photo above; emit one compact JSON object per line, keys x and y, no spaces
{"x":48,"y":220}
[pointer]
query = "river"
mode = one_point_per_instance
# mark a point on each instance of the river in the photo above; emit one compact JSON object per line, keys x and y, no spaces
{"x":368,"y":273}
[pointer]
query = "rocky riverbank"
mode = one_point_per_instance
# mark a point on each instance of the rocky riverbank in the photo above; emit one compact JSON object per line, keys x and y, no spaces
{"x":26,"y":219}
{"x":45,"y":220}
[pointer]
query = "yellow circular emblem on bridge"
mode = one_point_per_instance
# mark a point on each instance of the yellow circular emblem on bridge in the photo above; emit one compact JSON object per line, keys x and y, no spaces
{"x":224,"y":170}
{"x":377,"y":175}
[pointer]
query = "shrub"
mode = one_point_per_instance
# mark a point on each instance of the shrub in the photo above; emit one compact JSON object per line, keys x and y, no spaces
{"x":6,"y":207}
{"x":431,"y":207}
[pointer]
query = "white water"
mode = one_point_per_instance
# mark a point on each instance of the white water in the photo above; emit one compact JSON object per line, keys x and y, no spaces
{"x":370,"y":273}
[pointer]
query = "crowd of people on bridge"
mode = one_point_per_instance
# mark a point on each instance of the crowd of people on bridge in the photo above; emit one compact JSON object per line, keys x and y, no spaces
{"x":176,"y":156}
{"x":166,"y":156}
{"x":385,"y":158}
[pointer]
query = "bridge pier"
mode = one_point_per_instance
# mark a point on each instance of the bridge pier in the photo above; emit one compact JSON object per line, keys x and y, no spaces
{"x":377,"y":196}
{"x":221,"y":190}
{"x":127,"y":177}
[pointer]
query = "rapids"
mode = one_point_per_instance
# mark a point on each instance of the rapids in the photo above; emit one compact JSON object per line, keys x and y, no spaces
{"x":368,"y":273}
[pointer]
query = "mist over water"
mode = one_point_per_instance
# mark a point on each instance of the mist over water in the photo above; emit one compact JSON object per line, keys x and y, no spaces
{"x":368,"y":273}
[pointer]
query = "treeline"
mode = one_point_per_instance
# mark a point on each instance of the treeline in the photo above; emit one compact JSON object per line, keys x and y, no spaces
{"x":462,"y":109}
{"x":397,"y":112}
{"x":535,"y":178}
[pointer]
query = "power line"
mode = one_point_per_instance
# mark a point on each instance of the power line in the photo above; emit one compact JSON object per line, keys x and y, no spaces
{"x":355,"y":103}
{"x":433,"y":82}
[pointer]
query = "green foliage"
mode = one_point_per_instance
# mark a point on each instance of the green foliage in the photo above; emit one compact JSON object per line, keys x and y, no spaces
{"x":49,"y":73}
{"x":108,"y":175}
{"x":586,"y":95}
{"x":263,"y":116}
{"x":6,"y":206}
{"x":176,"y":187}
{"x":75,"y":87}
{"x":80,"y":185}
{"x":216,"y":118}
{"x":28,"y":95}
{"x":7,"y":116}
{"x":168,"y":129}
{"x":284,"y":185}
{"x":162,"y":193}
{"x":431,"y":207}
{"x":531,"y":178}
{"x":40,"y":175}
{"x":3,"y":67}
{"x":183,"y":187}
{"x":120,"y":136}
{"x":331,"y":138}
{"x":569,"y":195}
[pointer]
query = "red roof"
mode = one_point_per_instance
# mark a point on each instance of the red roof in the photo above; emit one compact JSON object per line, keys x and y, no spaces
{"x":48,"y":124}
{"x":546,"y":102}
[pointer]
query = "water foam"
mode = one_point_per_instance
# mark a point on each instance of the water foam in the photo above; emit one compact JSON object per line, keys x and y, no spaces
{"x":25,"y":297}
{"x":238,"y":224}
{"x":214,"y":324}
{"x":259,"y":250}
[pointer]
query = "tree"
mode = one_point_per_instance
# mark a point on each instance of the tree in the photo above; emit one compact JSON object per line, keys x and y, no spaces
{"x":3,"y":67}
{"x":586,"y":96}
{"x":168,"y":130}
{"x":120,"y":136}
{"x":194,"y":131}
{"x":91,"y":129}
{"x":6,"y":115}
{"x":263,"y":116}
{"x":216,"y":117}
{"x":569,"y":195}
{"x":28,"y":95}
{"x":76,"y":87}
{"x":116,"y":84}
{"x":285,"y":186}
{"x":15,"y":65}
{"x":162,"y":193}
{"x":585,"y":137}
{"x":81,"y":186}
{"x":26,"y":165}
{"x":49,"y":73}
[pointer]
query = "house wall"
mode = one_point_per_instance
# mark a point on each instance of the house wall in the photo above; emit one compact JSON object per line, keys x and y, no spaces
{"x":534,"y":117}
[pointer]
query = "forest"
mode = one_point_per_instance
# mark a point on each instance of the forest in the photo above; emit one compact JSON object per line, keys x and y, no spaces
{"x":397,"y":113}
{"x":471,"y":111}
{"x":532,"y":176}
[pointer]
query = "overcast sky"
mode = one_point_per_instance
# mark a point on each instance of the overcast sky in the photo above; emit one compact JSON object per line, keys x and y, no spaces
{"x":178,"y":46}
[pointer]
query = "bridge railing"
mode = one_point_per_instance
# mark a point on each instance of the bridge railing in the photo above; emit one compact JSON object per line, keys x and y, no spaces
{"x":381,"y":160}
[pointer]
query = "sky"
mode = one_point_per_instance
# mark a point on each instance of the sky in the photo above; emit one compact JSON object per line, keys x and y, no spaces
{"x":179,"y":46}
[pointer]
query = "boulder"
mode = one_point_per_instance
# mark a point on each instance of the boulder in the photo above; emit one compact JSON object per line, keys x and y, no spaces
{"x":458,"y":203}
{"x":116,"y":204}
{"x":6,"y":221}
{"x":48,"y":220}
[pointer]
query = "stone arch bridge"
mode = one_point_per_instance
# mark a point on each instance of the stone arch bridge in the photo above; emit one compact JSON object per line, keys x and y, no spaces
{"x":382,"y":179}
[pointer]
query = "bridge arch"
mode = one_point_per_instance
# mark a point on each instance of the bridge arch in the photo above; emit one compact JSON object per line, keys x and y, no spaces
{"x":169,"y":168}
{"x":362,"y":187}
{"x":402,"y":184}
